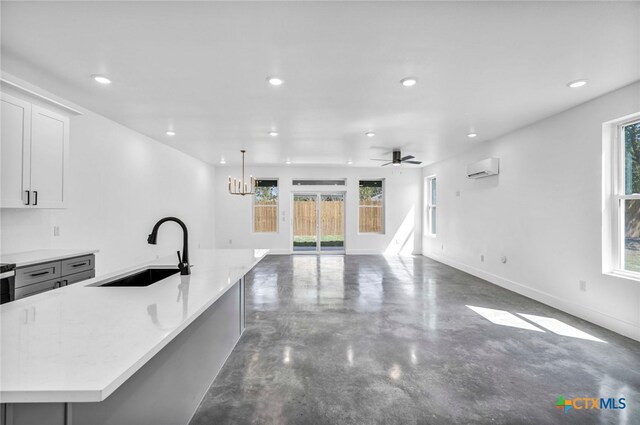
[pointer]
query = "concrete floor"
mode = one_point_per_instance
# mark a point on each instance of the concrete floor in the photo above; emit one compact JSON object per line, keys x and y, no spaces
{"x":390,"y":340}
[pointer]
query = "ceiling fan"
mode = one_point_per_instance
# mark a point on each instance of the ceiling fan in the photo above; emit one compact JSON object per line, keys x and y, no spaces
{"x":398,"y":159}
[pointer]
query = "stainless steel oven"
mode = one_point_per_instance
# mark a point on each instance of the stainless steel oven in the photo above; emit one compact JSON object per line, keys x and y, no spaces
{"x":7,"y":276}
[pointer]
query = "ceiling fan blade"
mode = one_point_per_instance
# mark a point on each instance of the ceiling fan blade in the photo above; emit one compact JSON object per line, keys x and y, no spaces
{"x":376,"y":159}
{"x":408,"y":157}
{"x":388,"y":163}
{"x":413,"y":162}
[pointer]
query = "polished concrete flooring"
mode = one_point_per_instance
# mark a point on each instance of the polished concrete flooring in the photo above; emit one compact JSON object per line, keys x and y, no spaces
{"x":390,"y":340}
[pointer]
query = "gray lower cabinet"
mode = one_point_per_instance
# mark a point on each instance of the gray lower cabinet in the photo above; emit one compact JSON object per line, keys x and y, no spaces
{"x":43,"y":277}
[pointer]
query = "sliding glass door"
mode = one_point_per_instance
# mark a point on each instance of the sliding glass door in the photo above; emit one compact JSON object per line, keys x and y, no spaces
{"x":305,"y":223}
{"x":318,"y":222}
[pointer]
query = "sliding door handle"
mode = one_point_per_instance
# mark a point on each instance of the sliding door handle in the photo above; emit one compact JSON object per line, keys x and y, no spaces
{"x":28,"y":197}
{"x":35,"y":197}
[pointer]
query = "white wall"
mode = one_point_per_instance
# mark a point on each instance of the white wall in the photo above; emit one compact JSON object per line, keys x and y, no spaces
{"x":120,"y":183}
{"x":402,"y":197}
{"x":543,"y":212}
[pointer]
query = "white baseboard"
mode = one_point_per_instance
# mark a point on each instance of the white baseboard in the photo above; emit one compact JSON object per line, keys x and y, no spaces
{"x":279,"y":252}
{"x":613,"y":324}
{"x":364,"y":252}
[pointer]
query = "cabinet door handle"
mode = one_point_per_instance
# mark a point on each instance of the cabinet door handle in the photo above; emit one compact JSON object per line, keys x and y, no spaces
{"x":39,"y":274}
{"x":28,"y":197}
{"x":35,"y":197}
{"x":78,"y":265}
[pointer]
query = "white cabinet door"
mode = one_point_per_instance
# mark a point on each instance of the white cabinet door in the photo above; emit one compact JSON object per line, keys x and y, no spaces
{"x":15,"y":149}
{"x":49,"y":142}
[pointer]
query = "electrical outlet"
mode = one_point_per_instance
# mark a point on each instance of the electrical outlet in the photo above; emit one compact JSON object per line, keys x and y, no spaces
{"x":583,"y":285}
{"x":482,"y":258}
{"x":457,"y":193}
{"x":56,"y":230}
{"x":230,"y":241}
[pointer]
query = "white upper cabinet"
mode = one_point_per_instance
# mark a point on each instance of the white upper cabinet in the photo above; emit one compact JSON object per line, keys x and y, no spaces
{"x":15,"y":137}
{"x":34,"y":150}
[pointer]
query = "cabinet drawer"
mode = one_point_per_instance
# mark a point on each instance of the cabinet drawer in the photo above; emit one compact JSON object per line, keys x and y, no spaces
{"x":36,"y":288}
{"x":78,"y":264}
{"x":78,"y":277}
{"x":38,"y":273}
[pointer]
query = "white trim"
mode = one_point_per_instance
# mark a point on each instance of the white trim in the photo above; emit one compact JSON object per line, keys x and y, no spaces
{"x":429,"y":206}
{"x":365,"y":252}
{"x":624,"y":274}
{"x":613,"y":191}
{"x":622,"y":327}
{"x":39,"y":96}
{"x":279,"y":252}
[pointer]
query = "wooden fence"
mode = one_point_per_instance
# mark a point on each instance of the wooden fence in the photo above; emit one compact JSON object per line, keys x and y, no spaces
{"x":265,"y":217}
{"x":370,"y":220}
{"x":331,"y":218}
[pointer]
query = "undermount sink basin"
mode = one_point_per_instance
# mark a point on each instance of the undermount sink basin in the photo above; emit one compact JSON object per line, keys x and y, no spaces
{"x":143,"y":277}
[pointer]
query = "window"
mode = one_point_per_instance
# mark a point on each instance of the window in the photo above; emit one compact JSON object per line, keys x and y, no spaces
{"x":430,"y":212}
{"x":371,"y":214}
{"x":627,"y":197}
{"x":265,"y":206}
{"x":309,"y":182}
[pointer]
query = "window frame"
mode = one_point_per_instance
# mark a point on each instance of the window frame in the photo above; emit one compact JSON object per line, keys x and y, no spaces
{"x":613,"y":222}
{"x":253,"y":210}
{"x":384,"y":205}
{"x":430,"y":206}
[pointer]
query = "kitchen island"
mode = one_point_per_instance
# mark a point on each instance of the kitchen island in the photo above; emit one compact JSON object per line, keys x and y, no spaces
{"x":87,"y":354}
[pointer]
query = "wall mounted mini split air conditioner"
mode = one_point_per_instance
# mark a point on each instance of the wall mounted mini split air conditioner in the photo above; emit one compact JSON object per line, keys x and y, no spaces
{"x":485,"y":168}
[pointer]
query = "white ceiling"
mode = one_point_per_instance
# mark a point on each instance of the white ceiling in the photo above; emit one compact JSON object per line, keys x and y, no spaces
{"x":200,"y":68}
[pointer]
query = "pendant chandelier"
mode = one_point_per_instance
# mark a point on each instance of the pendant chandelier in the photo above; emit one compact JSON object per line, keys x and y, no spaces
{"x":241,"y":186}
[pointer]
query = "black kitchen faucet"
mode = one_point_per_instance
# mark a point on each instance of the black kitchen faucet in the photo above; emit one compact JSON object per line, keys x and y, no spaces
{"x":183,"y":262}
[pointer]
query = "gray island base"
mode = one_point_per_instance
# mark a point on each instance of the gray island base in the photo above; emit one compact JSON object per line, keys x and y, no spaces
{"x":168,"y":387}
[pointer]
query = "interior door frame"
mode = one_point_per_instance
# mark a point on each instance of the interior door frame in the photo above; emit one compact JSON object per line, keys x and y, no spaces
{"x":318,"y":195}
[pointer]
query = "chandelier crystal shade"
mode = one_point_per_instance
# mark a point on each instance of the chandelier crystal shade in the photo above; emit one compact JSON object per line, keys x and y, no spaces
{"x":241,"y":186}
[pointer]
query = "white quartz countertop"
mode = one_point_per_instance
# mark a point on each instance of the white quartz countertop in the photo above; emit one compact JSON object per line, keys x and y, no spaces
{"x":79,"y":343}
{"x":21,"y":259}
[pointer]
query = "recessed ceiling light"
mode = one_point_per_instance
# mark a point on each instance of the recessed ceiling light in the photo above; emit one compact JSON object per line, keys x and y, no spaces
{"x":101,"y":79}
{"x":577,"y":83}
{"x":222,"y":161}
{"x":171,"y":133}
{"x":409,"y":81}
{"x":288,"y":161}
{"x":472,"y":135}
{"x":273,"y":133}
{"x":275,"y":81}
{"x":369,"y":134}
{"x":349,"y":162}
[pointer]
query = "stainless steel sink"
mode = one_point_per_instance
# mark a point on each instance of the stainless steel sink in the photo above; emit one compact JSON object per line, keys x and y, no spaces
{"x":140,"y":278}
